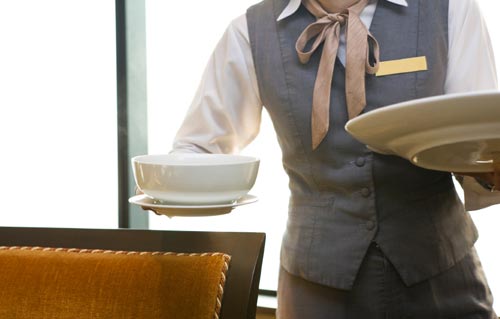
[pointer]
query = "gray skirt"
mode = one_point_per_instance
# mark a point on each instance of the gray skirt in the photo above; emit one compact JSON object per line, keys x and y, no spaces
{"x":458,"y":293}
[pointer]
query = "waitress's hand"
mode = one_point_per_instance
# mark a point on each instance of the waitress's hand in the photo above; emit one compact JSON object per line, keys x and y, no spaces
{"x":138,"y":192}
{"x":491,"y":179}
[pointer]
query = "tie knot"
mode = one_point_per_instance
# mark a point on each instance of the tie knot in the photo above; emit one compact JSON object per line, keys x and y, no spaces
{"x":337,"y":17}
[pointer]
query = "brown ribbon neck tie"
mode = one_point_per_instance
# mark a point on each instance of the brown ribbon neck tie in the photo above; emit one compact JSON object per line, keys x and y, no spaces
{"x":326,"y":29}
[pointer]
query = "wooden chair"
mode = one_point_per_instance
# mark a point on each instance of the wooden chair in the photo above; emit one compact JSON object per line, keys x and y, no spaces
{"x":242,"y":278}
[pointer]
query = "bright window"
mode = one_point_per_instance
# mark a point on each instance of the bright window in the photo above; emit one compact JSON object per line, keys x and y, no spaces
{"x":58,"y":113}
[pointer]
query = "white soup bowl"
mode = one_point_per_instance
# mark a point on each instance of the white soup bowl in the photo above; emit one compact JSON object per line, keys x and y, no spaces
{"x":195,"y":179}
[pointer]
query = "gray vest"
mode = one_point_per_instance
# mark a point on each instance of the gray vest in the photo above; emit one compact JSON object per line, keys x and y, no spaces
{"x":344,"y":196}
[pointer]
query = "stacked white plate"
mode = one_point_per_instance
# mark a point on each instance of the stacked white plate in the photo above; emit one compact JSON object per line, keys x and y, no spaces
{"x":455,"y":133}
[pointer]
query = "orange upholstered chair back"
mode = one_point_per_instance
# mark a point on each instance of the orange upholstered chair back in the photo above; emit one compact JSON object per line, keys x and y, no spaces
{"x":124,"y":280}
{"x":83,"y":283}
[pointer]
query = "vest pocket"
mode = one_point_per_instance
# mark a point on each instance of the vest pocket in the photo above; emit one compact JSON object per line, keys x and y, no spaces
{"x":300,"y":232}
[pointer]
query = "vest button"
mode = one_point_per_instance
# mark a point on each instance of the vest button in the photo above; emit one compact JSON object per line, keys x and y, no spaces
{"x":360,"y":162}
{"x":370,"y":225}
{"x":365,"y":192}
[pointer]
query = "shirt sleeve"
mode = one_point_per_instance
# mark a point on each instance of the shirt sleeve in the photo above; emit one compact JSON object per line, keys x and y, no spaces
{"x":471,"y":63}
{"x":471,"y":67}
{"x":225,"y":113}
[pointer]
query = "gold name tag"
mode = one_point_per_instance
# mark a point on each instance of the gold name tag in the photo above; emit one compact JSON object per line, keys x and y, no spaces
{"x":402,"y":66}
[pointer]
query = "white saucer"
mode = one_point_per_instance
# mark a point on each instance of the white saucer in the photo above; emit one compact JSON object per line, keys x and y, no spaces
{"x":455,"y":133}
{"x":171,"y":210}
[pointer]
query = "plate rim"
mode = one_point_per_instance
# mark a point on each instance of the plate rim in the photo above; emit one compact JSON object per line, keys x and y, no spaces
{"x":387,"y":139}
{"x":136,"y":199}
{"x":420,"y":101}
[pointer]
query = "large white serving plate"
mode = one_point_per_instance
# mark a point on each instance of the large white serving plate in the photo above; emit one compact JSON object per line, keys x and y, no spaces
{"x":455,"y":133}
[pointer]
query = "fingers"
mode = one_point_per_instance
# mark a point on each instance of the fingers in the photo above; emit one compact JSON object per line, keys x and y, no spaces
{"x":489,"y":180}
{"x":487,"y":177}
{"x":152,"y":210}
{"x":496,"y":180}
{"x":496,"y":173}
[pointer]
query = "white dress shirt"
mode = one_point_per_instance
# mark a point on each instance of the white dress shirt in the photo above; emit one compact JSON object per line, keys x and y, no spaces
{"x":225,"y":114}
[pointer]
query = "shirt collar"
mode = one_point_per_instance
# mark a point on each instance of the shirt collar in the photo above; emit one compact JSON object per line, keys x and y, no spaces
{"x":294,"y":5}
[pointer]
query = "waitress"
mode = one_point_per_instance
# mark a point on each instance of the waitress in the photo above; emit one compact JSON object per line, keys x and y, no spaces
{"x":368,"y":235}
